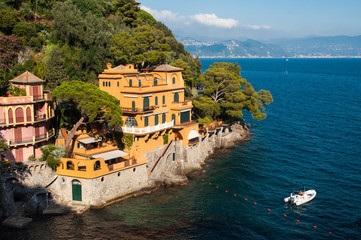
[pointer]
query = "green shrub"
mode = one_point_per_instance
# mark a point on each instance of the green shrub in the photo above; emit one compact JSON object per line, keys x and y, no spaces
{"x":127,"y":141}
{"x":52,"y":155}
{"x":165,"y":139}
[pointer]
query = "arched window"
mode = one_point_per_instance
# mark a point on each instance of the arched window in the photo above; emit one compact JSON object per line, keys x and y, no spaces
{"x":176,"y":97}
{"x":156,"y":120}
{"x":163,"y":118}
{"x":117,"y":84}
{"x":163,"y":99}
{"x":19,"y":113}
{"x":69,"y":165}
{"x":156,"y":101}
{"x":96,"y":165}
{"x":173,"y":80}
{"x":130,"y":83}
{"x":11,"y":116}
{"x":28,"y":114}
{"x":155,"y":81}
{"x":109,"y":84}
{"x":173,"y":118}
{"x":139,"y":83}
{"x":103,"y":84}
{"x":131,"y":122}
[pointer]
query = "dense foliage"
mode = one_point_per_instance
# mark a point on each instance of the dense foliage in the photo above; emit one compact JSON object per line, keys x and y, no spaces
{"x":73,"y":40}
{"x":88,"y":102}
{"x":51,"y":155}
{"x":227,"y":94}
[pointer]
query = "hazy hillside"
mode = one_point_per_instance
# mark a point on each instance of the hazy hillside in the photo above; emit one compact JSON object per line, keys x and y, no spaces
{"x":233,"y":48}
{"x":338,"y":46}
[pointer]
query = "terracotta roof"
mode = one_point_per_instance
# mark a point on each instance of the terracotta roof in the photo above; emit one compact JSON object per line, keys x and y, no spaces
{"x":27,"y":77}
{"x":164,"y":67}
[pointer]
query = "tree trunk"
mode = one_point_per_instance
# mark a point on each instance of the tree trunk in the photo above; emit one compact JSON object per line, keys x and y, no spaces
{"x":72,"y":133}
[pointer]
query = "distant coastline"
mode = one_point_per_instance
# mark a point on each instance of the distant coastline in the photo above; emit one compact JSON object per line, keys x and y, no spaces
{"x":223,"y":57}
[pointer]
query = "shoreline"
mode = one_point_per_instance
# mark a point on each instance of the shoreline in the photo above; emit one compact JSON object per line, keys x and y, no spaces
{"x":303,"y":57}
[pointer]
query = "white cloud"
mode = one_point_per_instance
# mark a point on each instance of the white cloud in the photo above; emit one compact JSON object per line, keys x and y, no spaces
{"x":161,"y":15}
{"x":257,"y":27}
{"x":213,"y":20}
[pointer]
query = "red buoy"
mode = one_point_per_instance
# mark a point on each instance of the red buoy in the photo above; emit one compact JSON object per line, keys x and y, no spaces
{"x":235,"y":195}
{"x":297,"y":221}
{"x":284,"y":215}
{"x":210,"y":183}
{"x":217,"y":187}
{"x":330,"y":233}
{"x":314,"y":227}
{"x":269,"y":210}
{"x":226,"y":190}
{"x":245,"y":199}
{"x":255,"y":203}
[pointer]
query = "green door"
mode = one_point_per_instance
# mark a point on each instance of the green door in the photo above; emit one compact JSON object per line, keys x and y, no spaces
{"x":76,"y":187}
{"x":146,"y":103}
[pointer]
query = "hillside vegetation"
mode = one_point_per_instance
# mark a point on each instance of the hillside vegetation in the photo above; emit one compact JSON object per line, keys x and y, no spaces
{"x":73,"y":40}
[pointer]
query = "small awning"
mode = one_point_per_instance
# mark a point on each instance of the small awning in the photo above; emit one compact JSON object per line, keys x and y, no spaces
{"x":109,"y":155}
{"x":193,"y":134}
{"x":90,"y":140}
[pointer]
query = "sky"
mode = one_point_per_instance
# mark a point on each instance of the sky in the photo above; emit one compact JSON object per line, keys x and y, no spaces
{"x":257,"y":19}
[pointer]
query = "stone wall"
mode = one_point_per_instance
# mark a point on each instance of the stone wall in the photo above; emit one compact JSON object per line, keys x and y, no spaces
{"x":98,"y":191}
{"x":173,"y":170}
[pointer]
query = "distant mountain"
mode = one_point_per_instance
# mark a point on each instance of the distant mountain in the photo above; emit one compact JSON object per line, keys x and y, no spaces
{"x":338,"y":46}
{"x":233,"y":48}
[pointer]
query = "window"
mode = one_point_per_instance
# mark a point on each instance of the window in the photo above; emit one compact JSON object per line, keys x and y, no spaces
{"x":176,"y":97}
{"x":163,"y":118}
{"x":118,"y":84}
{"x":163,"y":99}
{"x":109,"y":84}
{"x":139,"y":83}
{"x":146,"y":121}
{"x":130,"y":83}
{"x":97,"y":165}
{"x":185,"y":117}
{"x":173,"y":80}
{"x":155,"y":81}
{"x":146,"y":104}
{"x":174,"y":156}
{"x":103,"y":84}
{"x":173,"y":118}
{"x":156,"y":120}
{"x":133,"y":106}
{"x":131,"y":122}
{"x":156,"y":101}
{"x":69,"y":165}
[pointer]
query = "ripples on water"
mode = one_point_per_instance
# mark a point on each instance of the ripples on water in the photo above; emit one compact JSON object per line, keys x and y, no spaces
{"x":311,"y":138}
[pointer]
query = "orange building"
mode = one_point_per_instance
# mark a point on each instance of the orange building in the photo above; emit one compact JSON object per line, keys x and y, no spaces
{"x":155,"y":110}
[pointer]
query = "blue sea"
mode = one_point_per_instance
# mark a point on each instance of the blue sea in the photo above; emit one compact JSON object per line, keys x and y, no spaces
{"x":310,"y":139}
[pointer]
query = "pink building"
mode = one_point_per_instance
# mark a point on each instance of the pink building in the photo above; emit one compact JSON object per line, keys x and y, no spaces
{"x":25,"y":121}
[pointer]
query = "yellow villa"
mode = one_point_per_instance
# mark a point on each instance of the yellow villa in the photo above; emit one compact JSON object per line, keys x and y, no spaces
{"x":155,"y":110}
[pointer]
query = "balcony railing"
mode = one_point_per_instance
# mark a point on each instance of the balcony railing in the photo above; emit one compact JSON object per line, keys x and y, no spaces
{"x":137,"y":110}
{"x":31,"y":140}
{"x":39,"y":117}
{"x":146,"y":130}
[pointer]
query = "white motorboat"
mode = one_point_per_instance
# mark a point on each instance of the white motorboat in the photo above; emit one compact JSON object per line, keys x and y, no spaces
{"x":301,"y":198}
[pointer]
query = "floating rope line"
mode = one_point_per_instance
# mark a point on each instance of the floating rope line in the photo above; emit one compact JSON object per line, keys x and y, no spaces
{"x":268,"y":209}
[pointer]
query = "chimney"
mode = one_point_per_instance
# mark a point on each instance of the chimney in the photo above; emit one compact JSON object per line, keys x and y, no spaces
{"x":109,"y":65}
{"x":27,"y":75}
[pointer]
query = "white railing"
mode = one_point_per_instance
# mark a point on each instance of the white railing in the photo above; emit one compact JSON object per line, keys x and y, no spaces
{"x":148,"y":129}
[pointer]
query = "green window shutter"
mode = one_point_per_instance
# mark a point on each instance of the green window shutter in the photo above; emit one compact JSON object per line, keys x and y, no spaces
{"x":146,"y":103}
{"x":156,"y":101}
{"x":156,"y":120}
{"x":185,"y":117}
{"x":173,"y":118}
{"x":146,"y":121}
{"x":163,"y":99}
{"x":163,"y":118}
{"x":130,"y":83}
{"x":176,"y":97}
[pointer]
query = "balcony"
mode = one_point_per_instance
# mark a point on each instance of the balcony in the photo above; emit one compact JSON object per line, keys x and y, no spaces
{"x":31,"y":140}
{"x":182,"y":105}
{"x":144,"y":131}
{"x":138,"y":110}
